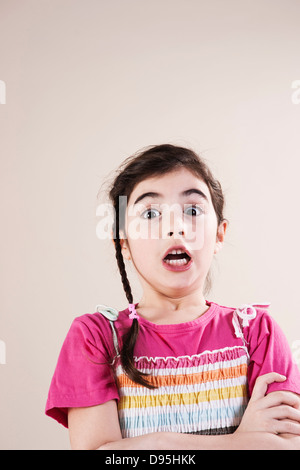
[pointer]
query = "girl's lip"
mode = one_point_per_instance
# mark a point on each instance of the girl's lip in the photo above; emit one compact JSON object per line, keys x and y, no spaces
{"x":173,"y":267}
{"x":177,"y":247}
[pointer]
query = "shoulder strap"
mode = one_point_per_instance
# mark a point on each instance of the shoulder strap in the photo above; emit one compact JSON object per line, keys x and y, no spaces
{"x":246,"y":313}
{"x":112,"y":315}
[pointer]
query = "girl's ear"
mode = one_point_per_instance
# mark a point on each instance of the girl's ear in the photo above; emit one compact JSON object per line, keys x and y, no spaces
{"x":124,"y":245}
{"x":220,"y":236}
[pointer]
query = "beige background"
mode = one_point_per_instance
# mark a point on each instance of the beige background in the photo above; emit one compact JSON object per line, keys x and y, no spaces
{"x":88,"y":82}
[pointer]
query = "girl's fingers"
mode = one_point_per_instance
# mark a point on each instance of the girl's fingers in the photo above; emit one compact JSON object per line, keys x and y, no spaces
{"x":281,"y":398}
{"x":262,"y":382}
{"x":287,"y":427}
{"x":284,"y":412}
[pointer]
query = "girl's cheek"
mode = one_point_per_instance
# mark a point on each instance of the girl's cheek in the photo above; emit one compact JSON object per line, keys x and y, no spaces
{"x":195,"y":234}
{"x":203,"y":235}
{"x":138,"y":228}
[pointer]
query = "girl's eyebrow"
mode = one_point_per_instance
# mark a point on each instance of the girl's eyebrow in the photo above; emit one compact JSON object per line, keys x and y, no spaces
{"x":188,"y":192}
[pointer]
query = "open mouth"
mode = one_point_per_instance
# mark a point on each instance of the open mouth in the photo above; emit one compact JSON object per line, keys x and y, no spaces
{"x":177,"y":258}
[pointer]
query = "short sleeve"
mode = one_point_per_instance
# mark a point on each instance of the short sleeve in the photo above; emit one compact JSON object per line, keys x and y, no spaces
{"x":270,"y":352}
{"x":83,"y":376}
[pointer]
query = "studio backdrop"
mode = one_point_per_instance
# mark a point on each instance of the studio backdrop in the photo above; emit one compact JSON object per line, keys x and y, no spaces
{"x":85,"y":84}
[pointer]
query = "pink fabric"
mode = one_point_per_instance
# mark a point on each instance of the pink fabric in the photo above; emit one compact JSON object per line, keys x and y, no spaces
{"x":270,"y":352}
{"x":83,"y":375}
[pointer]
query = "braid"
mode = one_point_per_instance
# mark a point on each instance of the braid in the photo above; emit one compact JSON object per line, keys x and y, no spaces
{"x":129,"y":340}
{"x":120,"y":261}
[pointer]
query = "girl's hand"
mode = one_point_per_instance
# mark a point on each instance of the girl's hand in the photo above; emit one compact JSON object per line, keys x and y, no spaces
{"x":276,"y":413}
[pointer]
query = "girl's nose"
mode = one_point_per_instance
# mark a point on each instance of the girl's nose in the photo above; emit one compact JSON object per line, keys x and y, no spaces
{"x":173,"y":223}
{"x":170,"y":234}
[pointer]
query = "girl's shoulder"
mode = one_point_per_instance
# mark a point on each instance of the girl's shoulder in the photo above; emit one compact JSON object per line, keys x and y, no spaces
{"x":100,"y":326}
{"x":101,"y":317}
{"x":251,"y":322}
{"x":243,"y":314}
{"x":260,"y":307}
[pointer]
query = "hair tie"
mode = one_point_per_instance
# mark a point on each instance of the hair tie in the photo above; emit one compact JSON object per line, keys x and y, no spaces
{"x":133,"y":315}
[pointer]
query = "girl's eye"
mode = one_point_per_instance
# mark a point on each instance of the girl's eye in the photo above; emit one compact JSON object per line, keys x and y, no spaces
{"x":148,"y":212}
{"x":194,"y":211}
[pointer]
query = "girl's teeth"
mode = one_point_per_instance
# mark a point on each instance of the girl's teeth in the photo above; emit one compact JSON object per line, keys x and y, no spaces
{"x":176,"y":262}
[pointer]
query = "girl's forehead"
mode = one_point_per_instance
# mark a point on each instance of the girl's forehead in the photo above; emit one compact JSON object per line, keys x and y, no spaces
{"x":170,"y":185}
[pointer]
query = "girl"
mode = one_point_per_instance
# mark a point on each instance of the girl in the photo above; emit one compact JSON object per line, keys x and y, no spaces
{"x":174,"y":371}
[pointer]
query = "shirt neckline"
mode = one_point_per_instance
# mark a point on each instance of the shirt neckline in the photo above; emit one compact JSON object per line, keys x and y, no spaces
{"x":201,"y":320}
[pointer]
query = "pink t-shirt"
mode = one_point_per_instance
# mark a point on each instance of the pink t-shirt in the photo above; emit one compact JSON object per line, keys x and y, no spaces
{"x":204,"y":370}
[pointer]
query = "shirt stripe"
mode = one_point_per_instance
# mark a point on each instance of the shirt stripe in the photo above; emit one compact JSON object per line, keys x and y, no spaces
{"x":182,"y":398}
{"x":192,"y":378}
{"x":194,"y":394}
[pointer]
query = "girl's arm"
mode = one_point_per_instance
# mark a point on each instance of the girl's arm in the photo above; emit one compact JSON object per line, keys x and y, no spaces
{"x":177,"y":441}
{"x":270,"y":422}
{"x":94,"y":426}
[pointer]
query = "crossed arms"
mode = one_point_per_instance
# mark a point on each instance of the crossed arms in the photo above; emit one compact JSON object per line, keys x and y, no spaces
{"x":270,"y":422}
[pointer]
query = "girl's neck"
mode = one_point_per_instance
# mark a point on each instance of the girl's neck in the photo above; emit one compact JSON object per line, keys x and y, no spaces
{"x":172,"y":310}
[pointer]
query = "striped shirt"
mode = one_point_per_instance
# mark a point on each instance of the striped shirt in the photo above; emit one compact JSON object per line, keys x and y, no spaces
{"x":204,"y":370}
{"x":205,"y":393}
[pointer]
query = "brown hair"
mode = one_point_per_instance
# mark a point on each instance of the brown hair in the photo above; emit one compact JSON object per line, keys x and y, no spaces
{"x":149,"y":162}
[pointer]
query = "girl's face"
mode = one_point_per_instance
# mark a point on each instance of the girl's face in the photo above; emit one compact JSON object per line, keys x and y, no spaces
{"x":168,"y":211}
